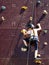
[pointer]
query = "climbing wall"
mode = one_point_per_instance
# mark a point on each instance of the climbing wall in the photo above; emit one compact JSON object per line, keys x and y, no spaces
{"x":12,"y":21}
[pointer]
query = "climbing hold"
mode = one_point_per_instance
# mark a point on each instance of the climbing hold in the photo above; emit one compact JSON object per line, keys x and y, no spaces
{"x":3,"y":8}
{"x":38,"y":3}
{"x":23,"y":8}
{"x":23,"y":49}
{"x":38,"y":61}
{"x":47,"y":5}
{"x":45,"y":12}
{"x":45,"y":43}
{"x":2,"y":18}
{"x":43,"y":15}
{"x":45,"y":31}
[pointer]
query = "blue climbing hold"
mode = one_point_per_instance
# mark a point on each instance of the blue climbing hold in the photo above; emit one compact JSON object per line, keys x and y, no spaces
{"x":3,"y":8}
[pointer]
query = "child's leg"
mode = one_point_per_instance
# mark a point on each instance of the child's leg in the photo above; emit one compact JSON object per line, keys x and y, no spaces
{"x":24,"y":42}
{"x":36,"y":49}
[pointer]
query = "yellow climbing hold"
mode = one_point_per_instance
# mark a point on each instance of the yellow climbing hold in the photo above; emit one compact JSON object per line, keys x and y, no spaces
{"x":24,"y":7}
{"x":38,"y":61}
